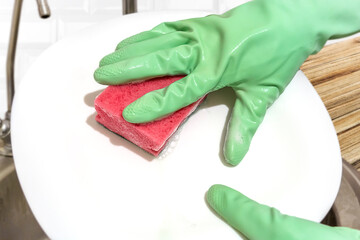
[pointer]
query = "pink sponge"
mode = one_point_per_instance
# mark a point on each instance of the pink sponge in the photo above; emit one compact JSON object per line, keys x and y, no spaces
{"x":150,"y":136}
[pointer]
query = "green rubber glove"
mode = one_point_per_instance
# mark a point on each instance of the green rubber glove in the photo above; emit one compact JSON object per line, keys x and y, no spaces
{"x":260,"y":222}
{"x":255,"y":49}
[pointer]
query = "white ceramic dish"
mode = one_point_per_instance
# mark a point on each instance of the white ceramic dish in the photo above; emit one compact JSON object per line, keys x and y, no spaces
{"x":84,"y":182}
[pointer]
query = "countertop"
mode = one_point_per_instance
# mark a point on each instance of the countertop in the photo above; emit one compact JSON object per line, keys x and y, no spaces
{"x":335,"y":74}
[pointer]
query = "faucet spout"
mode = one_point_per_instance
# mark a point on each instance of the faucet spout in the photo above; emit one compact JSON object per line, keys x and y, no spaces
{"x":43,"y":7}
{"x":11,"y":52}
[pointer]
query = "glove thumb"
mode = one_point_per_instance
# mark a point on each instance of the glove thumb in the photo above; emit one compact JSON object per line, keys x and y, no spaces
{"x":247,"y":114}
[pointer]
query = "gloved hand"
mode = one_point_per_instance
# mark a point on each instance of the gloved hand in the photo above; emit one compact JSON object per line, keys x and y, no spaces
{"x":260,"y":222}
{"x":255,"y":49}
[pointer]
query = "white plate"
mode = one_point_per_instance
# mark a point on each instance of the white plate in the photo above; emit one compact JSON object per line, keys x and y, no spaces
{"x":84,"y":182}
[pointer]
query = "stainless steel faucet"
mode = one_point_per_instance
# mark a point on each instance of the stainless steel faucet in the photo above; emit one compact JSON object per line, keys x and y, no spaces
{"x":44,"y":12}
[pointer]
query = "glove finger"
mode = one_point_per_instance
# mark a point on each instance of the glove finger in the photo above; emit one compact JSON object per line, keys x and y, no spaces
{"x":176,"y":61}
{"x":161,"y":29}
{"x":146,"y":46}
{"x":247,"y":114}
{"x":142,"y":36}
{"x":257,"y":221}
{"x":159,"y":103}
{"x":166,"y":27}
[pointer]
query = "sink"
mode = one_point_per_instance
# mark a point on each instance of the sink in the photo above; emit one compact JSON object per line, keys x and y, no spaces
{"x":16,"y":219}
